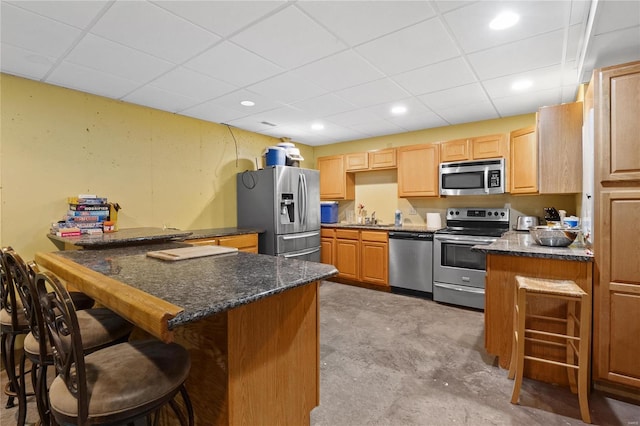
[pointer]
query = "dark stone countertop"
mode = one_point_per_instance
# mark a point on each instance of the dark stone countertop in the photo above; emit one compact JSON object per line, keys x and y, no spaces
{"x":515,"y":243}
{"x":124,"y":236}
{"x":221,"y":232}
{"x":407,"y":228}
{"x":202,"y":286}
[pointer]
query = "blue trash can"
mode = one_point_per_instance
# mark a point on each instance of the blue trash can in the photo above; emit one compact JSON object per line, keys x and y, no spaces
{"x":275,"y":156}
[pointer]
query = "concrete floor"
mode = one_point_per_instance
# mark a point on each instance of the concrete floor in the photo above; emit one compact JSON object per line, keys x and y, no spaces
{"x":387,"y":359}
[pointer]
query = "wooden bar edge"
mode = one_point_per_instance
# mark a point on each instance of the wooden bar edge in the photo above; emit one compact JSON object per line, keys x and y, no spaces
{"x":142,"y":309}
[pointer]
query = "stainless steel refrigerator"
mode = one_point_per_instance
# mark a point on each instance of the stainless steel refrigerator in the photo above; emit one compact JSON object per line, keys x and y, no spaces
{"x":285,"y":202}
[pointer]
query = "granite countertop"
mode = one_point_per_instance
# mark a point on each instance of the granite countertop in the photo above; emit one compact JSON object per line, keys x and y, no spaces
{"x":515,"y":243}
{"x":221,"y":232}
{"x":406,"y":227}
{"x":201,"y":286}
{"x":123,"y":237}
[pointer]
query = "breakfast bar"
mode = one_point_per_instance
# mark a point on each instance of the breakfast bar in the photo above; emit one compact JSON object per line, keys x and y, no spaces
{"x":250,"y":323}
{"x":516,"y":253}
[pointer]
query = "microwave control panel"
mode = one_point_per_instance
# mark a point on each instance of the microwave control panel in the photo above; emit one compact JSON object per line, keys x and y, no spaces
{"x":494,"y":178}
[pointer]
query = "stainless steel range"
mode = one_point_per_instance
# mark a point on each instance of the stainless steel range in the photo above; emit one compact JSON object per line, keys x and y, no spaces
{"x":459,"y":272}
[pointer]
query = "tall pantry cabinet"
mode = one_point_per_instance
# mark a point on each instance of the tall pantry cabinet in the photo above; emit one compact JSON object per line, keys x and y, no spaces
{"x":616,"y":103}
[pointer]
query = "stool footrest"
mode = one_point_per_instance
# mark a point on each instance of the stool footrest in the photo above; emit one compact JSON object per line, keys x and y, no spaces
{"x":548,"y":361}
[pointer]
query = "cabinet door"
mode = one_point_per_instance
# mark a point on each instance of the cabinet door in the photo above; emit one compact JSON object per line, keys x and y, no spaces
{"x":617,"y":325}
{"x":560,"y":149}
{"x":357,"y":161}
{"x":617,"y":94}
{"x":523,"y":161}
{"x":492,"y":146}
{"x":418,"y":171}
{"x":326,"y":250}
{"x":383,"y":159}
{"x":347,"y":259}
{"x":374,"y":257}
{"x":335,"y":183}
{"x":457,"y":150}
{"x":246,"y":242}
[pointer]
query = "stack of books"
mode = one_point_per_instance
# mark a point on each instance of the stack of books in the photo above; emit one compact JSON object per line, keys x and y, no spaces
{"x":86,"y":215}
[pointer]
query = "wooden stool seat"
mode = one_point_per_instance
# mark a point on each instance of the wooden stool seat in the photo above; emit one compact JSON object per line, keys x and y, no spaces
{"x":576,"y":346}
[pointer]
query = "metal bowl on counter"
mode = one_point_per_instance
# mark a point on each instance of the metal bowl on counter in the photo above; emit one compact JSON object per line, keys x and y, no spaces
{"x":553,"y":236}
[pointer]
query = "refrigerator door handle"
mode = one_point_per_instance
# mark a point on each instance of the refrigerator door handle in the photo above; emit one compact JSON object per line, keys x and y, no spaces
{"x":300,"y":201}
{"x":297,"y":236}
{"x":304,"y":253}
{"x":306,"y":210}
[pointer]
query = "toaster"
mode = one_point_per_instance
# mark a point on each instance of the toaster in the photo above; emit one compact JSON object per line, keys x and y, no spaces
{"x":525,"y":222}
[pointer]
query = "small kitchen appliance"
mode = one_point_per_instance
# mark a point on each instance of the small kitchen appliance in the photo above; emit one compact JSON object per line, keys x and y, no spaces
{"x":525,"y":222}
{"x":458,"y":271}
{"x":478,"y":177}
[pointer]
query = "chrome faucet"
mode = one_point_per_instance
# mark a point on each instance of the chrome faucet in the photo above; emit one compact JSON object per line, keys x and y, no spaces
{"x":373,"y":218}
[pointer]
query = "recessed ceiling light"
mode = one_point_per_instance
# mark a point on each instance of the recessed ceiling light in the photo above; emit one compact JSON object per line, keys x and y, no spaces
{"x":521,"y":85}
{"x":398,"y":110}
{"x":247,"y":103}
{"x":504,"y":20}
{"x":317,"y":126}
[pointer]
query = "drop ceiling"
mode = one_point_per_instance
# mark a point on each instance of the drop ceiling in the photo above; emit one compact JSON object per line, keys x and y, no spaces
{"x":339,"y":64}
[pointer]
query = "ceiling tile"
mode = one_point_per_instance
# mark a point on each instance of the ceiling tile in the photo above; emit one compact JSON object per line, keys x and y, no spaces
{"x":153,"y":30}
{"x":233,"y":64}
{"x":29,"y":31}
{"x":24,"y":63}
{"x":373,"y":93}
{"x":192,"y":85}
{"x":106,"y":56}
{"x":446,"y":74}
{"x":470,"y":25}
{"x":469,"y":112}
{"x":613,"y":48}
{"x":359,"y":21}
{"x":324,"y":105}
{"x":616,"y":15}
{"x":233,"y":99}
{"x":211,"y":111}
{"x":527,"y":103}
{"x":76,"y":13}
{"x":447,"y":5}
{"x":91,"y":81}
{"x":352,"y":118}
{"x":287,"y":88}
{"x":377,"y":128}
{"x":339,"y":71}
{"x":535,"y":52}
{"x":221,"y":17}
{"x":158,"y":98}
{"x":286,"y":116}
{"x":470,"y":93}
{"x":278,"y":38}
{"x":542,"y":79}
{"x":413,"y":47}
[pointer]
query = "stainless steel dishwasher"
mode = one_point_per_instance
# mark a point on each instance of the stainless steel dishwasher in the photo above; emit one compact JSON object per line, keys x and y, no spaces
{"x":411,"y":261}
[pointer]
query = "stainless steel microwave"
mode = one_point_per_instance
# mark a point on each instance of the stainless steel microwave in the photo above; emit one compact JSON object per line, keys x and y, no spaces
{"x":477,"y":177}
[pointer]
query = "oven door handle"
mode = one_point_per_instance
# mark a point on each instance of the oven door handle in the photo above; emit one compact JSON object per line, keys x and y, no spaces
{"x":465,"y":240}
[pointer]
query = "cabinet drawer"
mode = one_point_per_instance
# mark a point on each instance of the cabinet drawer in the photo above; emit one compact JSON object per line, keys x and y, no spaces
{"x":327,"y":233}
{"x":377,"y":236}
{"x":347,"y":234}
{"x":203,"y":242}
{"x":239,"y":241}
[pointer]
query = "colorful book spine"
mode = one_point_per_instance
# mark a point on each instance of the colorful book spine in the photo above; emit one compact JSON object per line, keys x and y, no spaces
{"x":92,"y":201}
{"x":81,"y":219}
{"x":84,"y":207}
{"x":75,"y":213}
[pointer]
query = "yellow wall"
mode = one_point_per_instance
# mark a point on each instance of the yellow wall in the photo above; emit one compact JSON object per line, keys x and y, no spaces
{"x":162,"y":168}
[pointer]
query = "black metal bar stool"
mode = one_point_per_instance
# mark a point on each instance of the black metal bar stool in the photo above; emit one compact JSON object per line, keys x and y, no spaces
{"x":114,"y":385}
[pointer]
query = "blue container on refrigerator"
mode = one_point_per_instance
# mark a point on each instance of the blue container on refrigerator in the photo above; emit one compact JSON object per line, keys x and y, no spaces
{"x":329,"y":212}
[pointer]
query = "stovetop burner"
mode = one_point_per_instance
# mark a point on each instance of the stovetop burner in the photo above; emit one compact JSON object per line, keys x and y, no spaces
{"x":490,"y":222}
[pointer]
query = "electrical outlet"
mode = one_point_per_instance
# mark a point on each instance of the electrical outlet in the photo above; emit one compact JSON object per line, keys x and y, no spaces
{"x":412,"y":211}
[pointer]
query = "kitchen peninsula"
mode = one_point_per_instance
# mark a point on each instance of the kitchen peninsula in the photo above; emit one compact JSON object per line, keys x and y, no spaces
{"x":250,"y":323}
{"x":517,"y":254}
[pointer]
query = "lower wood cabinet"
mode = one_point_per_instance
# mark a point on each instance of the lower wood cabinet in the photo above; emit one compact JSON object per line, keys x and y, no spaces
{"x":243,"y":242}
{"x":360,"y":256}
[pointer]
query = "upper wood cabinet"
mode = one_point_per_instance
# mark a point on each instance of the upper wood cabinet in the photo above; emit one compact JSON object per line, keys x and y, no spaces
{"x":371,"y":160}
{"x":335,"y":182}
{"x":478,"y":148}
{"x":560,"y":149}
{"x":523,"y":161}
{"x":457,"y":150}
{"x":617,"y":125}
{"x":418,"y":170}
{"x":491,"y":146}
